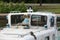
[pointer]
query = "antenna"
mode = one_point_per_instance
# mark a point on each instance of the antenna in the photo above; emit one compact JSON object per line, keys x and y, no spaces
{"x":30,"y":9}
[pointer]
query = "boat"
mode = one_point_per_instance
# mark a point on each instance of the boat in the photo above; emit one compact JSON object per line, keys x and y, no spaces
{"x":30,"y":26}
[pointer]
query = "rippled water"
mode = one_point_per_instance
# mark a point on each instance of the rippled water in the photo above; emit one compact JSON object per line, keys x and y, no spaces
{"x":58,"y":35}
{"x":58,"y":38}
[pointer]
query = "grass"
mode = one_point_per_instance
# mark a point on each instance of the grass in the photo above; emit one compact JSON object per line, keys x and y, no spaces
{"x":49,"y":8}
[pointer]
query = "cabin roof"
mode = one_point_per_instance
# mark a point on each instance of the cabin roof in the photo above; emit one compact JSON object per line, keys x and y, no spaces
{"x":41,"y":13}
{"x":35,"y":13}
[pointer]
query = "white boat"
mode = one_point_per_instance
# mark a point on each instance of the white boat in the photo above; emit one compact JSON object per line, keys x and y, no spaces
{"x":38,"y":26}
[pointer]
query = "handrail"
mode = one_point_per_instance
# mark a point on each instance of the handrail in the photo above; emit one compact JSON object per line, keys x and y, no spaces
{"x":15,"y":12}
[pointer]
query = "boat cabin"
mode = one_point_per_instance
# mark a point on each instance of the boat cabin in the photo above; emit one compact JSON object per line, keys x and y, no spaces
{"x":31,"y":20}
{"x":30,"y":26}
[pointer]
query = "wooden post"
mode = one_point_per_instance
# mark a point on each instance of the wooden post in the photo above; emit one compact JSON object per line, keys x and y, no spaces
{"x":40,"y":2}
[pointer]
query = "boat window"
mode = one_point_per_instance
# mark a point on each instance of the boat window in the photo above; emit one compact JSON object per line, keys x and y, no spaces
{"x":52,"y":21}
{"x":19,"y":19}
{"x":58,"y":21}
{"x":3,"y":21}
{"x":38,"y":20}
{"x":47,"y":38}
{"x":2,"y":17}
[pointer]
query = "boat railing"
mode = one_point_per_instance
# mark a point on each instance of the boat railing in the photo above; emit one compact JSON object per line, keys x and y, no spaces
{"x":15,"y":12}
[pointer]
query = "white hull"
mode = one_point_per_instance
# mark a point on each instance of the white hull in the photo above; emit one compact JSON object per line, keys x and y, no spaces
{"x":40,"y":35}
{"x":35,"y":26}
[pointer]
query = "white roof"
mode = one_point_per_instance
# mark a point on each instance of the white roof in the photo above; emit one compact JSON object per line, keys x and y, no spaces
{"x":35,"y":13}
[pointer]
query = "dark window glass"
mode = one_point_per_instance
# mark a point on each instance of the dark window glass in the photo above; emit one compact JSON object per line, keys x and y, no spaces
{"x":38,"y":20}
{"x":58,"y":21}
{"x":3,"y":21}
{"x":16,"y":19}
{"x":47,"y":38}
{"x":2,"y":18}
{"x":52,"y":21}
{"x":19,"y":19}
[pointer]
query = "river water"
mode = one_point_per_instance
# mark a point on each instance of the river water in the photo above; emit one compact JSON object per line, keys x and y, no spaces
{"x":58,"y":35}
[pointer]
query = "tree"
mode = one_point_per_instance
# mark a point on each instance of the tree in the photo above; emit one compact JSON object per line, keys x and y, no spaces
{"x":40,"y":2}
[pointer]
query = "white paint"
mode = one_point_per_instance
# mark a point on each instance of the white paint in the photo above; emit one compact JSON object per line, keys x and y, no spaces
{"x":24,"y":34}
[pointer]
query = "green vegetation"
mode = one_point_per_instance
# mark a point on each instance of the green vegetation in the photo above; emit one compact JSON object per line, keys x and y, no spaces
{"x":58,"y":28}
{"x":7,"y":7}
{"x":49,"y":8}
{"x":33,"y":1}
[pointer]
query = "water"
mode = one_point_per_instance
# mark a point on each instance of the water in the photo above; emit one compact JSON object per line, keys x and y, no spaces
{"x":58,"y":36}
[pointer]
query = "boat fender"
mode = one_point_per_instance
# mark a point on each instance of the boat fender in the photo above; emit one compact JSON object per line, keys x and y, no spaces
{"x":33,"y":35}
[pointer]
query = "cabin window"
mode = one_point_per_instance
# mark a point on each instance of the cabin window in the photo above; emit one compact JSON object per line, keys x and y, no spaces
{"x":38,"y":20}
{"x":47,"y":38}
{"x":2,"y":18}
{"x":58,"y":21}
{"x":3,"y":21}
{"x":16,"y":19}
{"x":52,"y":21}
{"x":19,"y":19}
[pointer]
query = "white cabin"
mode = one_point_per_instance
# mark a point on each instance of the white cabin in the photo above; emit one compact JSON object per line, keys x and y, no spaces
{"x":39,"y":26}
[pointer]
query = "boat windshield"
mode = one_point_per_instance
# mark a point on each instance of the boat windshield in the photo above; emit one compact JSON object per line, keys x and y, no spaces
{"x":20,"y":20}
{"x":34,"y":20}
{"x":38,"y":20}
